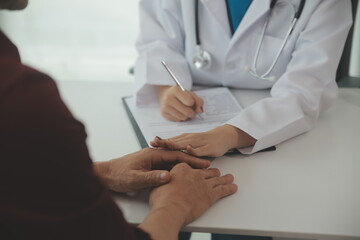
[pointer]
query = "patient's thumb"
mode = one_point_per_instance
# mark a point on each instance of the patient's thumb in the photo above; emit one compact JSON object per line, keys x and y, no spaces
{"x":157,"y":177}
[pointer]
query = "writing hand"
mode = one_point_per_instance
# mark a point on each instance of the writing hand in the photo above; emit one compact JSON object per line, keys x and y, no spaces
{"x":178,"y":105}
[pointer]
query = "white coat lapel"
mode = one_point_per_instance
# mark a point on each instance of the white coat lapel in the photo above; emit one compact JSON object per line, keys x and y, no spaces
{"x":218,"y":9}
{"x":188,"y":12}
{"x":256,"y":11}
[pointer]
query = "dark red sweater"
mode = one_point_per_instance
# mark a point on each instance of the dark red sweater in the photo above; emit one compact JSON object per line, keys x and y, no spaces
{"x":48,"y":189}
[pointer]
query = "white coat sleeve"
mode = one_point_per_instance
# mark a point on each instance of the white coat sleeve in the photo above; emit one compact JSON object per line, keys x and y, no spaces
{"x":308,"y":85}
{"x":161,"y":38}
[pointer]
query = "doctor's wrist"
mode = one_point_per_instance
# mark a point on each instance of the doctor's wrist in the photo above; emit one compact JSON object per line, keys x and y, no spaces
{"x":161,"y":89}
{"x":240,"y":138}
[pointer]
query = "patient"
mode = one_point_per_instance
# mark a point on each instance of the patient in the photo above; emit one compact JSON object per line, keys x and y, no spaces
{"x":49,"y":188}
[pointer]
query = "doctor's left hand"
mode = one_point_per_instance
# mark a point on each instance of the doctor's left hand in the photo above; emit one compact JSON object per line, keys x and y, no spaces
{"x":142,"y":169}
{"x":213,"y":143}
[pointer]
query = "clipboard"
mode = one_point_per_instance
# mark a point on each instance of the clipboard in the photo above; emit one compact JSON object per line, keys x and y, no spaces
{"x":139,"y":135}
{"x":142,"y":140}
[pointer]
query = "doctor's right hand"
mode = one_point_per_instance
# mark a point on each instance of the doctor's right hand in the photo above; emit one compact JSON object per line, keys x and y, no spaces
{"x":178,"y":105}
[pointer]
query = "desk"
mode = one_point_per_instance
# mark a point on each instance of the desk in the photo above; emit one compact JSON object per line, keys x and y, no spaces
{"x":308,"y":188}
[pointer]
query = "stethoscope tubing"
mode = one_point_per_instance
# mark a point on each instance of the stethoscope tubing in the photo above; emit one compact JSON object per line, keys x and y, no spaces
{"x":287,"y":36}
{"x":197,"y":28}
{"x":253,"y":70}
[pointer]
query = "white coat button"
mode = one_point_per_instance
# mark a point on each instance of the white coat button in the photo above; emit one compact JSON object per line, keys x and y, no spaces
{"x":231,"y":66}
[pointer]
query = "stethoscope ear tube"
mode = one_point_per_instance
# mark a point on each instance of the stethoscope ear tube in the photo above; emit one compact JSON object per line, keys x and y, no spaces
{"x":197,"y":30}
{"x":300,"y":9}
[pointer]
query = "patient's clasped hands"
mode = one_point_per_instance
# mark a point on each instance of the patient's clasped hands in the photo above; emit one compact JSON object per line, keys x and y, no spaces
{"x":184,"y":186}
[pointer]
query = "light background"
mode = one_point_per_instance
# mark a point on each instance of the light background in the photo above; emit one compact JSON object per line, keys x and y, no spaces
{"x":76,"y":39}
{"x":87,"y":39}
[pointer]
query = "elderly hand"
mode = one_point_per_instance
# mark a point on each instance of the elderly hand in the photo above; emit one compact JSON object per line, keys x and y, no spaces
{"x":177,"y":105}
{"x":142,"y":169}
{"x":213,"y":143}
{"x":188,"y":195}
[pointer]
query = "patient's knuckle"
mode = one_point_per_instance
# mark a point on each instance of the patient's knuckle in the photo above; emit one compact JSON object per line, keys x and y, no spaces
{"x":210,"y":197}
{"x":223,"y":190}
{"x":216,"y":171}
{"x":199,"y":174}
{"x":149,"y":177}
{"x":132,"y":180}
{"x":182,"y":166}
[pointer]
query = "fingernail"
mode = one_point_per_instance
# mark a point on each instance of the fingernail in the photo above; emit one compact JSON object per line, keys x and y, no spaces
{"x":202,"y":109}
{"x":157,"y":137}
{"x":162,"y":176}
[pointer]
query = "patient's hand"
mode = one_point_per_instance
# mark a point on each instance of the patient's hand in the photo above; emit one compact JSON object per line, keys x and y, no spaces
{"x":187,"y":196}
{"x":142,"y":169}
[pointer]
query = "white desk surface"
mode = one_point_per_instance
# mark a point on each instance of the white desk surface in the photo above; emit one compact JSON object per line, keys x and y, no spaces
{"x":308,"y":188}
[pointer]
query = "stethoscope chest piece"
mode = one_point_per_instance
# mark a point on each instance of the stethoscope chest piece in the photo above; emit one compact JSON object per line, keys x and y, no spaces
{"x":202,"y":60}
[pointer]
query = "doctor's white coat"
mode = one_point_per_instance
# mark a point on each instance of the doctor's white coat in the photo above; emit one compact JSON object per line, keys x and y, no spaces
{"x":305,"y":70}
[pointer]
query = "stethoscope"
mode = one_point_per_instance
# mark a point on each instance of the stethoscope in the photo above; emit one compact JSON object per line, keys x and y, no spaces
{"x":202,"y":58}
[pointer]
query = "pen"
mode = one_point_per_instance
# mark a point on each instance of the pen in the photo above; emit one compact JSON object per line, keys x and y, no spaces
{"x":175,"y":79}
{"x":173,"y":76}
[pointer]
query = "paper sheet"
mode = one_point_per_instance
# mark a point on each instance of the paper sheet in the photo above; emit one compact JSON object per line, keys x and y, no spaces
{"x":220,"y":106}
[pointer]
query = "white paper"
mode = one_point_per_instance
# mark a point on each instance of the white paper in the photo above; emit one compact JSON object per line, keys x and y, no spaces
{"x":219,"y":107}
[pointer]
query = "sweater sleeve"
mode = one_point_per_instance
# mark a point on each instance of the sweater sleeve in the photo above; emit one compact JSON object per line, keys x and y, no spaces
{"x":48,"y":187}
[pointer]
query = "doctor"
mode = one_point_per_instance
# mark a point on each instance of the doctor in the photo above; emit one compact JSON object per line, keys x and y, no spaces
{"x":292,"y":47}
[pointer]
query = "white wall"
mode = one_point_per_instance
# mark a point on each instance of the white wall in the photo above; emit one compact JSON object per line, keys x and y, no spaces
{"x":76,"y":39}
{"x":88,"y":39}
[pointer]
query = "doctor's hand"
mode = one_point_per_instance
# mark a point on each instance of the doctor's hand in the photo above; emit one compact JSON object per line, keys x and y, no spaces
{"x":187,"y":196}
{"x":213,"y":143}
{"x":178,"y":105}
{"x":142,"y":169}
